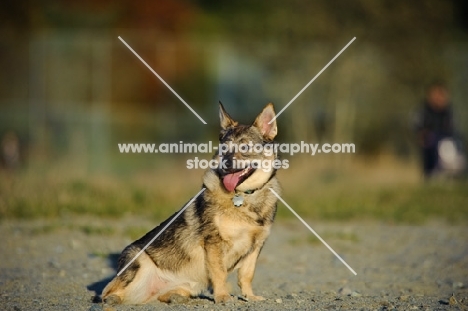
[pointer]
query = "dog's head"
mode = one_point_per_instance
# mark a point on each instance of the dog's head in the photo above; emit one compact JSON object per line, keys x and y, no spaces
{"x":246,"y":152}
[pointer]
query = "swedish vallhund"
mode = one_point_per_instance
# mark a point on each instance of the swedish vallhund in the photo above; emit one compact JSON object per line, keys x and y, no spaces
{"x":223,"y":229}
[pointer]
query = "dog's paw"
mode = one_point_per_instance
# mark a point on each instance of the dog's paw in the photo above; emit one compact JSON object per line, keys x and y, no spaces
{"x":112,"y":300}
{"x":254,"y":298}
{"x":178,"y":299}
{"x":223,"y":298}
{"x":172,"y":297}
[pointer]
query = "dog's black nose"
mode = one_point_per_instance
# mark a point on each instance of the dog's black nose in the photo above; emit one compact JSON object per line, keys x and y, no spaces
{"x":228,"y":158}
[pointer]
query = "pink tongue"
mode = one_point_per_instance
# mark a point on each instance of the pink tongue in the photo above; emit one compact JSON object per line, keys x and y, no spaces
{"x":230,"y":181}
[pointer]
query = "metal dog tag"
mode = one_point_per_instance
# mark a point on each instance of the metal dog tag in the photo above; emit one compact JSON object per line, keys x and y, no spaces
{"x":238,"y":200}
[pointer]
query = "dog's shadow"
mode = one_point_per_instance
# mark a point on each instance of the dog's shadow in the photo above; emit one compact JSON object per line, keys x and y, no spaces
{"x":98,"y":287}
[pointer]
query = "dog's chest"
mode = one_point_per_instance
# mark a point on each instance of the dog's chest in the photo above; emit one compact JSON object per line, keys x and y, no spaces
{"x":238,"y":234}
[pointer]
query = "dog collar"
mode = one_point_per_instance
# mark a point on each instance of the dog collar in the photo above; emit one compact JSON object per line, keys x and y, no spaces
{"x":238,"y":198}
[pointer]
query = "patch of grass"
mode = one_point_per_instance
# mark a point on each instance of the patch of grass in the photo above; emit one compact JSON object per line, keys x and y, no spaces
{"x":78,"y":186}
{"x":97,"y":230}
{"x":412,"y":204}
{"x":336,"y":195}
{"x":135,"y":232}
{"x":328,"y":236}
{"x":343,"y":236}
{"x":139,"y":196}
{"x":100,"y":255}
{"x":44,"y":229}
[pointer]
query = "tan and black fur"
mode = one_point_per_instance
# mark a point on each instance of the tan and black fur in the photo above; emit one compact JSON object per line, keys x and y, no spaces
{"x":212,"y":237}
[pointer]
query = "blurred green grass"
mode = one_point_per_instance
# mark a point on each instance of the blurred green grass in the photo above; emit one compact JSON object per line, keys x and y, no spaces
{"x":385,"y":192}
{"x":398,"y":204}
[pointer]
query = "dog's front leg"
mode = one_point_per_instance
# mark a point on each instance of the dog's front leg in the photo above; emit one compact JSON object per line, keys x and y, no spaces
{"x":217,"y":272}
{"x":246,"y":273}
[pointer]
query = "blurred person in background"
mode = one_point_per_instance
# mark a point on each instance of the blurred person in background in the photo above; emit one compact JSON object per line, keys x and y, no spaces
{"x":10,"y":151}
{"x":440,"y":147}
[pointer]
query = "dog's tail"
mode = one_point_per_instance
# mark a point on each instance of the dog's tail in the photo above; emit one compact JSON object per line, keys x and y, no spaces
{"x":114,"y":292}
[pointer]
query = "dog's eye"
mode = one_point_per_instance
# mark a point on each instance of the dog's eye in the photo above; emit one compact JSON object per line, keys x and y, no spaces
{"x":223,"y":134}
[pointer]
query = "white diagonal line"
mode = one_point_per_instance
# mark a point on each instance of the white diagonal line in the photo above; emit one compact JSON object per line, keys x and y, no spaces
{"x":313,"y":231}
{"x":162,"y":230}
{"x":313,"y":79}
{"x":162,"y":80}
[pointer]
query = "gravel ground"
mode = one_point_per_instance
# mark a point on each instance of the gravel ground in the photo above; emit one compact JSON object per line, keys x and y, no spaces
{"x":62,"y":265}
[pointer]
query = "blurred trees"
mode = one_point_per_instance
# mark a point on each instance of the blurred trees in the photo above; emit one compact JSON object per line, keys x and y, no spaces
{"x":369,"y":92}
{"x":242,"y":52}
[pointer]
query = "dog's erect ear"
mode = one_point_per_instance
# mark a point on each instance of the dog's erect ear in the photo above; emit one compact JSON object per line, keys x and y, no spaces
{"x":268,"y":131}
{"x":224,"y":118}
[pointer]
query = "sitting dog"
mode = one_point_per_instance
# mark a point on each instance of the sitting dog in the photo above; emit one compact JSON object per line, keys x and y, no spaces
{"x":222,"y":230}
